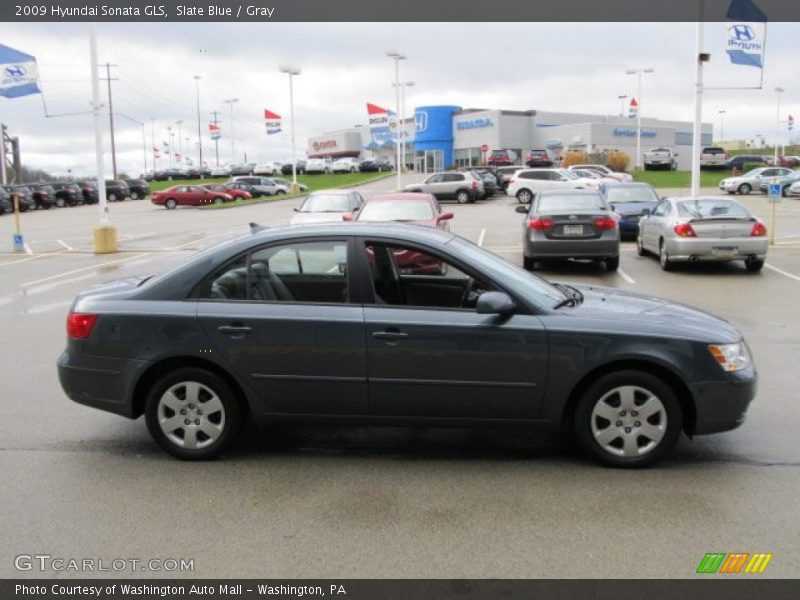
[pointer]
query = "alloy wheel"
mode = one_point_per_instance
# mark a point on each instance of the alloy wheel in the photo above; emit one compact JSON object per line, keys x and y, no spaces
{"x":191,"y":415}
{"x":629,"y":421}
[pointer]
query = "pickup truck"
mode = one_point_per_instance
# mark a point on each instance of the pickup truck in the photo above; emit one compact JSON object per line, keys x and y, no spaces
{"x":660,"y":158}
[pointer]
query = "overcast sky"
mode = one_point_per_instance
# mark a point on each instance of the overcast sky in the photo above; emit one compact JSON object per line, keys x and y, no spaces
{"x":546,"y":66}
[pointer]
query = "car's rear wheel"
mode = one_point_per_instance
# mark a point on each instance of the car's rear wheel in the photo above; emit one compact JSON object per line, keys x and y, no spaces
{"x":663,"y":257}
{"x":134,"y":195}
{"x":112,"y":197}
{"x":193,"y":414}
{"x":61,"y":203}
{"x":612,"y":264}
{"x":529,"y":263}
{"x":463,"y":196}
{"x":219,"y":201}
{"x":754,"y":264}
{"x":524,"y":196}
{"x":745,"y":188}
{"x":170,"y":203}
{"x":628,"y":419}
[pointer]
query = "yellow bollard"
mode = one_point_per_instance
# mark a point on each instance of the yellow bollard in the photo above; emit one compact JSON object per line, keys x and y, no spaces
{"x":105,"y":239}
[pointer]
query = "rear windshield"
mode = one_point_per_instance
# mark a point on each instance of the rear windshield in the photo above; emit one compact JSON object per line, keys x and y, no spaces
{"x":631,"y":193}
{"x":713,"y":151}
{"x":403,"y":210}
{"x":326,"y":203}
{"x":709,"y":207}
{"x":570,"y":203}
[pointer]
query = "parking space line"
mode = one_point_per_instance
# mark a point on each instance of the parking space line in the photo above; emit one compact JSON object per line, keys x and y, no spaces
{"x":29,"y":258}
{"x":65,"y":245}
{"x":625,"y":276}
{"x":481,"y":236}
{"x":782,"y":272}
{"x":27,"y":249}
{"x":73,"y":271}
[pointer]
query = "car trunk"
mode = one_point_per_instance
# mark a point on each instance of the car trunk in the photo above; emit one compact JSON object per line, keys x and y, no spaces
{"x":575,"y":226}
{"x":723,"y":228}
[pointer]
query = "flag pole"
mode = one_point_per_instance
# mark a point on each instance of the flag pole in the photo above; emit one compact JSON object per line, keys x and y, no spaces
{"x":697,"y":133}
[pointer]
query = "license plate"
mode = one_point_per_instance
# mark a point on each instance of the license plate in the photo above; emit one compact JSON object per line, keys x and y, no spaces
{"x":573,"y":229}
{"x":724,"y":251}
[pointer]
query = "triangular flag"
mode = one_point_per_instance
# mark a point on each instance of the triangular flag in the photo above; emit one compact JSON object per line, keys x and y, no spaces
{"x":268,"y":114}
{"x":374,"y":109}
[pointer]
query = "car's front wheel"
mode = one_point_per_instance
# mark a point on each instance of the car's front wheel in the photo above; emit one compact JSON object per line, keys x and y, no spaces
{"x":745,"y":188}
{"x":134,"y":195}
{"x":219,"y":201}
{"x":463,"y":196}
{"x":628,"y":418}
{"x":170,"y":204}
{"x":524,"y":196}
{"x":193,"y":414}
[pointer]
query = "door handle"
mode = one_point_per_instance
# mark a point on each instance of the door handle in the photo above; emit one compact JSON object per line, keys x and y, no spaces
{"x":389,"y":335}
{"x":235,"y":330}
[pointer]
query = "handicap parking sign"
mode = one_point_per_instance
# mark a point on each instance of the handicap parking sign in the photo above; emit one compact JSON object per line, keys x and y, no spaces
{"x":19,"y":243}
{"x":775,"y":192}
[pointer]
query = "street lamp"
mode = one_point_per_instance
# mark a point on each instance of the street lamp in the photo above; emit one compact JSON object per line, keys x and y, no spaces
{"x":403,"y":86}
{"x":639,"y":72}
{"x":397,"y":57}
{"x":231,"y":102}
{"x":199,"y":133}
{"x":169,"y":148}
{"x":291,"y":72}
{"x":180,"y":143}
{"x":622,"y":99}
{"x":721,"y":125}
{"x":778,"y":90}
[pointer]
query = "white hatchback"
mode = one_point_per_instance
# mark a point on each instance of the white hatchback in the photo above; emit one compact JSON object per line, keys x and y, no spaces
{"x":525,"y":183}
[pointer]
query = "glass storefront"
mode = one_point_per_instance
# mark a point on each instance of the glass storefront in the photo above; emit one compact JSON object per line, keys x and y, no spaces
{"x":430,"y":161}
{"x":467,"y":157}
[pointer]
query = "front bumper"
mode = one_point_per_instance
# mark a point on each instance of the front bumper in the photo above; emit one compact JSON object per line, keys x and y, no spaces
{"x":722,"y":406}
{"x":702,"y":249}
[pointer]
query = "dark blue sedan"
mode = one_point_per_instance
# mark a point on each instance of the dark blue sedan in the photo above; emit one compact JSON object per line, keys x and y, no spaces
{"x":628,"y":201}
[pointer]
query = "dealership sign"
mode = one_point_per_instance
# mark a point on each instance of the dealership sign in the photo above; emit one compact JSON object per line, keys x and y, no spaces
{"x":272,"y":122}
{"x":474,"y":123}
{"x":213,"y":129}
{"x":18,"y":73}
{"x":323,"y":145}
{"x":625,"y":132}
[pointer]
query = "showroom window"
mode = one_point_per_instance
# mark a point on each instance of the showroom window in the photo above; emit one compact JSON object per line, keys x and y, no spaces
{"x":468,"y":157}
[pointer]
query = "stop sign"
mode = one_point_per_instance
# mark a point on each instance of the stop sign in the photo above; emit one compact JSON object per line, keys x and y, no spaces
{"x":484,"y":148}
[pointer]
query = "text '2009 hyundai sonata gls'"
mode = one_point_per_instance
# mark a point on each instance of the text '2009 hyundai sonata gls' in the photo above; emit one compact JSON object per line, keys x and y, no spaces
{"x":337,"y":322}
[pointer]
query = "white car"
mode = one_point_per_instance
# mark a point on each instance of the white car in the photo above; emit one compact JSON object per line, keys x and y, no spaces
{"x":752,"y":180}
{"x":327,"y":206}
{"x":589,"y":174}
{"x":606,"y":172}
{"x":318,"y":165}
{"x":268,"y":168}
{"x":288,"y":184}
{"x":221,"y":171}
{"x":346,"y":165}
{"x":527,"y":182}
{"x":794,"y":189}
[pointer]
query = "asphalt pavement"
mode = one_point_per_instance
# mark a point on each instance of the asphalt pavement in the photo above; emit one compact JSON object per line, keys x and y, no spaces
{"x":387,"y":502}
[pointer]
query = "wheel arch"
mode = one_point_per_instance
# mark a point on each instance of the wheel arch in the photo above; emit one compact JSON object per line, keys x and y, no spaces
{"x":162,"y":367}
{"x":663,"y":372}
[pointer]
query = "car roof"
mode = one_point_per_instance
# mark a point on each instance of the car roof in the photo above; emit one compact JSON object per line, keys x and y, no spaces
{"x":569,"y":193}
{"x":620,"y":184}
{"x":331,"y":192}
{"x":401,"y":196}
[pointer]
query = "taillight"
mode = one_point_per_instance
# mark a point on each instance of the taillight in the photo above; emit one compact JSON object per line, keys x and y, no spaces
{"x":758,"y":230}
{"x":684,"y":230}
{"x":512,"y":180}
{"x":79,"y":325}
{"x":605,"y":223}
{"x":540,"y":224}
{"x":474,"y":185}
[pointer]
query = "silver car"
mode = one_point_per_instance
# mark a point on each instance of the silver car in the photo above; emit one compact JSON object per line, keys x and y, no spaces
{"x":327,"y":206}
{"x":752,"y":180}
{"x":461,"y":187}
{"x":702,"y":229}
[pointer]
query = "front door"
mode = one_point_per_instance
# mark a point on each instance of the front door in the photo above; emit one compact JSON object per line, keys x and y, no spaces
{"x":430,"y":354}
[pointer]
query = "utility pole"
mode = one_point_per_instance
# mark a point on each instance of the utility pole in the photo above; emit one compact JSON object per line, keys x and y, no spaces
{"x":199,"y":133}
{"x":108,"y":80}
{"x":153,"y":141}
{"x":180,"y":143}
{"x":216,"y":121}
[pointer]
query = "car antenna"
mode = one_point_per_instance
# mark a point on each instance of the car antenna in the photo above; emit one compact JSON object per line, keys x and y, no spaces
{"x":255,"y":227}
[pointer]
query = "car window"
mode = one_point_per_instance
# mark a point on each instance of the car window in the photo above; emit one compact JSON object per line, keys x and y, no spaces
{"x":700,"y":208}
{"x":661,"y":209}
{"x":400,"y":210}
{"x":434,"y":179}
{"x":555,"y":203}
{"x":410,"y":276}
{"x":453,"y":177}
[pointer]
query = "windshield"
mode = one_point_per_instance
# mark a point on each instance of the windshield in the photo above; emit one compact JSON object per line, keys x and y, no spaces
{"x":753,"y":173}
{"x":631,"y":193}
{"x":570,"y":203}
{"x":326,"y":203}
{"x":401,"y":210}
{"x":702,"y":208}
{"x":528,"y":285}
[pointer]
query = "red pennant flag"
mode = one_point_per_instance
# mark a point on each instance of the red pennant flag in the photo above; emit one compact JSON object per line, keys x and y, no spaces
{"x":268,"y":114}
{"x":213,"y":127}
{"x":374,"y":109}
{"x":634,"y":103}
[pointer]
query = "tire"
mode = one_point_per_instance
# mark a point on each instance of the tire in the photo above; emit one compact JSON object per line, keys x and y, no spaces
{"x":170,"y":204}
{"x":280,"y":192}
{"x":182,"y":395}
{"x":529,"y":263}
{"x":640,"y":247}
{"x":463,"y":196}
{"x":61,"y":203}
{"x":612,"y":264}
{"x":134,"y":195}
{"x":112,"y":197}
{"x":219,"y":201}
{"x":524,"y":196}
{"x":745,"y":188}
{"x":663,"y":257}
{"x":754,"y":265}
{"x":352,"y":169}
{"x":785,"y":191}
{"x":628,"y":419}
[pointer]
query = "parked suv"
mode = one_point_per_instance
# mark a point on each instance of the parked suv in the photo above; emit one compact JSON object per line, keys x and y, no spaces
{"x":265,"y":186}
{"x":139,"y":188}
{"x":375,"y":165}
{"x":117,"y":190}
{"x":345,"y":165}
{"x":499,"y":158}
{"x":300,"y":168}
{"x":713,"y":157}
{"x":538,"y":158}
{"x":43,"y":194}
{"x":316,"y":165}
{"x":528,"y":182}
{"x":5,"y":202}
{"x":25,"y":195}
{"x":67,"y":193}
{"x":461,"y":187}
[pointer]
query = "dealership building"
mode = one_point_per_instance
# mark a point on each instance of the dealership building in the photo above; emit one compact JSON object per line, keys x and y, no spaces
{"x":440,"y":136}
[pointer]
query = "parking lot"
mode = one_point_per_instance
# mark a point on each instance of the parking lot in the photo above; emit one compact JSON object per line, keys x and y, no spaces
{"x":355,"y":502}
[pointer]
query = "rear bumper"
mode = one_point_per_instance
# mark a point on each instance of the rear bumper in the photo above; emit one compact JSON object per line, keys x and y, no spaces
{"x":701,"y":249}
{"x":100,"y":382}
{"x":599,"y":248}
{"x":722,"y":406}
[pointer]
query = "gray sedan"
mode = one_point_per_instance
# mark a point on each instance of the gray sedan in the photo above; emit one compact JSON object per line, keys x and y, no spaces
{"x":334,"y":323}
{"x":702,"y":229}
{"x":570,"y":224}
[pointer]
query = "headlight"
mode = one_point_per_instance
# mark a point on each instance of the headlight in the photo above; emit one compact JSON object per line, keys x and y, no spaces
{"x":731,"y":357}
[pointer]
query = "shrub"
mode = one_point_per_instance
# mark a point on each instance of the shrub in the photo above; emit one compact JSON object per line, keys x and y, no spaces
{"x":750,"y":166}
{"x":574,"y":157}
{"x":618,"y":161}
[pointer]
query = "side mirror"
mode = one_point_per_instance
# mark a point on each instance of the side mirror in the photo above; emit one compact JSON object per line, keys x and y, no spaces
{"x":645,"y":212}
{"x":522,"y":209}
{"x":296,"y":209}
{"x":445,"y":216}
{"x":495,"y":303}
{"x":347,"y":218}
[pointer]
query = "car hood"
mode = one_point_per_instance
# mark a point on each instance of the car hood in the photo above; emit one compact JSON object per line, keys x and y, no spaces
{"x":303,"y":218}
{"x":631,"y":208}
{"x":641,"y":310}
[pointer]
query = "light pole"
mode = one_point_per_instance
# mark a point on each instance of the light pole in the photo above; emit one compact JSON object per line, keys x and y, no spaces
{"x":622,"y":99}
{"x":199,"y":133}
{"x":169,"y":144}
{"x":778,"y":90}
{"x":180,"y":143}
{"x":231,"y":102}
{"x":403,"y":86}
{"x":397,"y":56}
{"x":721,"y":126}
{"x":639,"y":73}
{"x":291,"y":72}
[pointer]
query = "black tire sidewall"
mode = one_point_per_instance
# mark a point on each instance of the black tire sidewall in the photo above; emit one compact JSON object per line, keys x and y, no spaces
{"x":233,"y":412}
{"x":587,"y":401}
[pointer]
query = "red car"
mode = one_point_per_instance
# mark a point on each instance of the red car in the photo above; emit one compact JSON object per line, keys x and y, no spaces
{"x":237,"y":194}
{"x":407,"y":207}
{"x":188,"y":195}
